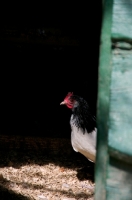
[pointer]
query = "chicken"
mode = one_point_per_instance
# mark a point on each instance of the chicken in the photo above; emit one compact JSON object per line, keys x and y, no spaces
{"x":83,"y":126}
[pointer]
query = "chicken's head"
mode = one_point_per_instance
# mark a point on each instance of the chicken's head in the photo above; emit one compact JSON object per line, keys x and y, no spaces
{"x":68,"y":101}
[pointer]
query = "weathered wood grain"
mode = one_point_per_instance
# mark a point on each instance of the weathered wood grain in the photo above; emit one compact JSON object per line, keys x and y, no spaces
{"x":122,"y":20}
{"x":119,"y":173}
{"x":120,"y":133}
{"x":119,"y":180}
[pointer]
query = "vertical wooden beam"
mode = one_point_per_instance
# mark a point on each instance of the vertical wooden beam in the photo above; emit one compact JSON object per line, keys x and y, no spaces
{"x":103,"y":101}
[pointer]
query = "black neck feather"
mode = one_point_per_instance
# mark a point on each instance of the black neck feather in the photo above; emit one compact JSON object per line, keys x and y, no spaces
{"x":82,"y":116}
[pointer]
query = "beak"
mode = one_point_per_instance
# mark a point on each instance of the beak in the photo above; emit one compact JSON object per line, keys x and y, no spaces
{"x":62,"y":103}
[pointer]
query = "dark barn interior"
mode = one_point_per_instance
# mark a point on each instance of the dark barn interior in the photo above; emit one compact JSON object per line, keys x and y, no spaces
{"x":46,"y":51}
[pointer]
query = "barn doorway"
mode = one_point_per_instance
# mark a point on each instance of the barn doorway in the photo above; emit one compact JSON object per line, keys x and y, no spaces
{"x":47,"y":52}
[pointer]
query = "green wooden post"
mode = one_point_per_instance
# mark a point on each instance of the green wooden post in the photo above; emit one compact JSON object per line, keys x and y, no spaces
{"x":114,"y":149}
{"x":103,"y":102}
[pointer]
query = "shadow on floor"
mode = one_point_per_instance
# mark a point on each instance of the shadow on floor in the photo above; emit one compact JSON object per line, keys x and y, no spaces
{"x":6,"y":194}
{"x":64,"y":157}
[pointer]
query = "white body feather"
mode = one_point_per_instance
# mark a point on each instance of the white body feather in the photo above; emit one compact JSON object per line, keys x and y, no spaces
{"x":85,"y":143}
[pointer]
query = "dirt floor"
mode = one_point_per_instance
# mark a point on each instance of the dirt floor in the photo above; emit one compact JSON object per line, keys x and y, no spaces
{"x":34,"y":175}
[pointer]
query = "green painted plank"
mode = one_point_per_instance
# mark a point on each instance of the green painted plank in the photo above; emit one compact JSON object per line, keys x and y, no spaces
{"x":120,"y":132}
{"x":119,"y":168}
{"x":120,"y":119}
{"x":122,"y":20}
{"x":119,"y":180}
{"x":103,"y":102}
{"x":113,"y":174}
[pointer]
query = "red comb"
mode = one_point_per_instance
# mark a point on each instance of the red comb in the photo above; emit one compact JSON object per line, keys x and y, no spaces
{"x":69,"y":95}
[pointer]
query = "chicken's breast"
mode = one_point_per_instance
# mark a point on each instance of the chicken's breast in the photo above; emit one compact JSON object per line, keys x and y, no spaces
{"x":85,"y":143}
